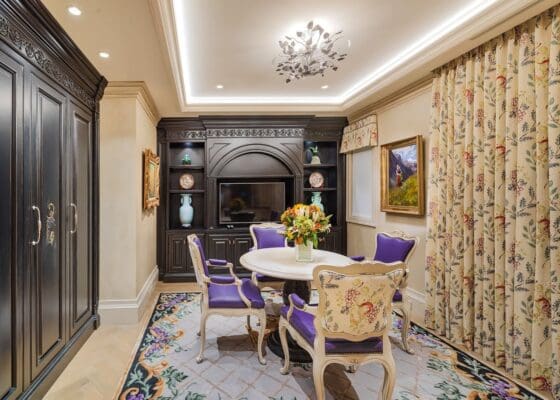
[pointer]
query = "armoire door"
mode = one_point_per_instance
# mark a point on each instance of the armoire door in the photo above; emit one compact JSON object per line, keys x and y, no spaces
{"x":47,"y":217}
{"x":11,"y":315}
{"x":78,"y":206}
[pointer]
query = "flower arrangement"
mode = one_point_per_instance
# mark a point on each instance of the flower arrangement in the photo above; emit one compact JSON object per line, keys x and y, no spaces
{"x":305,"y":223}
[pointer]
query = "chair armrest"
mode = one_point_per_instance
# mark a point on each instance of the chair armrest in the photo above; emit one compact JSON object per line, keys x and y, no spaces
{"x":222,"y":279}
{"x":300,"y":304}
{"x":358,"y":258}
{"x":216,"y":262}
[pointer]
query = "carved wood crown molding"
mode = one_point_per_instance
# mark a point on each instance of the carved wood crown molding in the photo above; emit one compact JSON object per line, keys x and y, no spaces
{"x":256,"y":132}
{"x":30,"y":50}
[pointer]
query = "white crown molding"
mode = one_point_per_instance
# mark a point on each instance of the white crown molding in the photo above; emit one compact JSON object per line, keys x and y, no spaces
{"x":137,"y":90}
{"x":128,"y":311}
{"x":452,"y":39}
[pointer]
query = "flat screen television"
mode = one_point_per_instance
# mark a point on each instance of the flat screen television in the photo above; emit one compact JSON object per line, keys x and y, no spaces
{"x":251,"y":202}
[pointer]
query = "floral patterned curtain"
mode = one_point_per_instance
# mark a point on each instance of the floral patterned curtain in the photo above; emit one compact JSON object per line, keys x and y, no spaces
{"x":493,"y":247}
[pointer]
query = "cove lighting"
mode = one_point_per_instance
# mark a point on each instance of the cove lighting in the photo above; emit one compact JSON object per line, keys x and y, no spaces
{"x":471,"y":11}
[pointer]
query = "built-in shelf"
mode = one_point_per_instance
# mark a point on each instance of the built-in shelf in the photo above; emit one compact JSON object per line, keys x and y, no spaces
{"x":191,"y":167}
{"x":319,"y":165}
{"x":189,"y":191}
{"x":319,"y":189}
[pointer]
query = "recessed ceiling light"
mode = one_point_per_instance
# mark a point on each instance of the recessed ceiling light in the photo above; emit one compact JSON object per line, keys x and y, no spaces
{"x":324,"y":87}
{"x":219,"y":86}
{"x":74,"y":10}
{"x":103,"y":54}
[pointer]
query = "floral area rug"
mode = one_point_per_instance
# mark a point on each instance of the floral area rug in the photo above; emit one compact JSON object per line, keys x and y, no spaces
{"x":164,"y":365}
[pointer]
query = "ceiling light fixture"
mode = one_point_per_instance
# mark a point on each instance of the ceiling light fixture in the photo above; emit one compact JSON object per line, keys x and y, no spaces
{"x":310,"y":52}
{"x":219,"y":86}
{"x":325,"y":87}
{"x":74,"y":10}
{"x":103,"y":54}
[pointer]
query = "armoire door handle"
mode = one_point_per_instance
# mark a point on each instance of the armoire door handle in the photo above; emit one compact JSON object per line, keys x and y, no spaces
{"x":72,"y":231}
{"x":39,"y":226}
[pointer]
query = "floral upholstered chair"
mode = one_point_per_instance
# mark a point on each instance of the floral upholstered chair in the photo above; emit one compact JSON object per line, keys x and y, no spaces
{"x":266,"y":236}
{"x":224,"y":295}
{"x":351,"y":323}
{"x":396,"y":247}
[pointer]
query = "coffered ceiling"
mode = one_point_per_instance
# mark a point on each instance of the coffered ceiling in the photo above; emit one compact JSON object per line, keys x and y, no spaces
{"x":204,"y":56}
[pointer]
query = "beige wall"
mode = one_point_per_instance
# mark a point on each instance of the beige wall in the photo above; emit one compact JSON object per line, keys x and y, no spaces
{"x":127,"y":232}
{"x":406,"y":117}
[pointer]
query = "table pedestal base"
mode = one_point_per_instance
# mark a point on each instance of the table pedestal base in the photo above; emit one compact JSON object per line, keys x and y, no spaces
{"x":297,"y":354}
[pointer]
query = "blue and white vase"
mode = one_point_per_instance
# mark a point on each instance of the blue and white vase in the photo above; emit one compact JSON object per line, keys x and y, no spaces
{"x":186,"y":211}
{"x":316,"y":200}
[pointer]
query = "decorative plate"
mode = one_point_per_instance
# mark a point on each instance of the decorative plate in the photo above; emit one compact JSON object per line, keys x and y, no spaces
{"x":316,"y":180}
{"x":186,"y":181}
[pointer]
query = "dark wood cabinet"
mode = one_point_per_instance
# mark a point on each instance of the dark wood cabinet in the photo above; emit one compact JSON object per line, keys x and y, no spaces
{"x":48,"y":198}
{"x":11,"y":279}
{"x":225,"y":149}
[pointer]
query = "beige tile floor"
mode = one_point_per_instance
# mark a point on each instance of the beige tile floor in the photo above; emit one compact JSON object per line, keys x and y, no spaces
{"x":99,"y":366}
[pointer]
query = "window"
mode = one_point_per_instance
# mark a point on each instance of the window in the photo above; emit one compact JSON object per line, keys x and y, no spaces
{"x":360,"y":181}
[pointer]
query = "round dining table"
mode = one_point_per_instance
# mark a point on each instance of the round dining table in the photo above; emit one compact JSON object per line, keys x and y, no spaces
{"x":280,"y":262}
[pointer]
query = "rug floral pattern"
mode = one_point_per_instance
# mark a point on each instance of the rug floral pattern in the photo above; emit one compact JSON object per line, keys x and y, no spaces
{"x":164,"y":366}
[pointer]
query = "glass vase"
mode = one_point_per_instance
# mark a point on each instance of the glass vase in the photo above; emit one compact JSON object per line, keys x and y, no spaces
{"x":304,"y":252}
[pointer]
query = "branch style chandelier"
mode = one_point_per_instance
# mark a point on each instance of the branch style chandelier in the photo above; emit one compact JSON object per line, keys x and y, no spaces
{"x":311,"y":52}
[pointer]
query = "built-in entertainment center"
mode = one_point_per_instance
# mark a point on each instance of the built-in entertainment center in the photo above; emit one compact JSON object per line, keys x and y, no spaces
{"x":219,"y":174}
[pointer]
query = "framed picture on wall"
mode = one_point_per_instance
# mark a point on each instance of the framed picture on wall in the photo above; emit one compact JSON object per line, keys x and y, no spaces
{"x":151,"y":180}
{"x":402,"y":176}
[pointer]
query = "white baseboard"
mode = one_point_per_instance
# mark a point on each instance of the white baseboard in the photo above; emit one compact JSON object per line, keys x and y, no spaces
{"x":418,"y":303}
{"x":128,"y":311}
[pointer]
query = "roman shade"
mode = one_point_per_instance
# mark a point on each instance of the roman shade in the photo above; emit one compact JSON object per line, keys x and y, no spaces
{"x":360,"y":135}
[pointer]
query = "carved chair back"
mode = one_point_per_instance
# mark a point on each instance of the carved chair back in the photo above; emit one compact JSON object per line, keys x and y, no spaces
{"x":199,"y":259}
{"x":267,"y":235}
{"x":355,"y":301}
{"x":394,"y":246}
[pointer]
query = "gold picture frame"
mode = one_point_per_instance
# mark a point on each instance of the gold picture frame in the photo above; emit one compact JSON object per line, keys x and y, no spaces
{"x":402,"y":176}
{"x":151,"y":180}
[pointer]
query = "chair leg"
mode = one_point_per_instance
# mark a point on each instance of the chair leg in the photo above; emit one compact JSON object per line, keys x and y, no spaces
{"x":249,"y":323}
{"x":405,"y":328}
{"x":203,"y":318}
{"x":389,"y":378}
{"x":201,"y":311}
{"x":318,"y":379}
{"x":285,"y":349}
{"x":262,"y":327}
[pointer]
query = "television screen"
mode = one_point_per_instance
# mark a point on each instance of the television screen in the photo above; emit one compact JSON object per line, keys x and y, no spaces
{"x":251,"y":202}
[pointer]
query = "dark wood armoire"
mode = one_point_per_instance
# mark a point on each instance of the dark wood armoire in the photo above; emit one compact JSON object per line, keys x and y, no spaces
{"x":49,"y":105}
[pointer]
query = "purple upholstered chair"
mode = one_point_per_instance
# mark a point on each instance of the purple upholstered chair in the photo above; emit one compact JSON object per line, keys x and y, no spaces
{"x":266,"y":236}
{"x":224,"y":294}
{"x":351,"y":323}
{"x":396,"y":247}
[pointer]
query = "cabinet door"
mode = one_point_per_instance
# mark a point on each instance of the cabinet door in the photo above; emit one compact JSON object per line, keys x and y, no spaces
{"x":218,"y":246}
{"x":47,"y":217}
{"x":241,"y":245}
{"x":11,"y":314}
{"x":332,"y":242}
{"x":78,"y":223}
{"x":177,"y":253}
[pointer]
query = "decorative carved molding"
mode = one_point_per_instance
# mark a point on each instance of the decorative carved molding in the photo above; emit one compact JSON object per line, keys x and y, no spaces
{"x":257,"y":132}
{"x":180,"y":135}
{"x":38,"y":57}
{"x":322,"y":133}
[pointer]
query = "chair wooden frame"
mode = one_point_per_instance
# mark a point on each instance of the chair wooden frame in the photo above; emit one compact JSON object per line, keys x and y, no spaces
{"x":273,"y":285}
{"x":205,"y":311}
{"x":404,"y":305}
{"x":351,"y":360}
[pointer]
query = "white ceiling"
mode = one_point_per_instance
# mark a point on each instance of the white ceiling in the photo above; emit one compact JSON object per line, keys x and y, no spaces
{"x":182,"y":49}
{"x":233,"y":42}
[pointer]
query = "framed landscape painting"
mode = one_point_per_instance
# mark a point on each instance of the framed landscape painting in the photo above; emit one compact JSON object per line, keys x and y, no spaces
{"x":402,"y":176}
